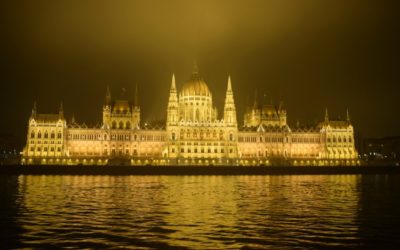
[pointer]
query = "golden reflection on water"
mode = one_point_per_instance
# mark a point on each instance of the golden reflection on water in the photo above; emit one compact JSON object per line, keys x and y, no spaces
{"x":189,"y":211}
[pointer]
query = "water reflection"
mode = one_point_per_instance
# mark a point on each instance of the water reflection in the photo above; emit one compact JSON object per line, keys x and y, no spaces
{"x":9,"y":210}
{"x":228,"y":212}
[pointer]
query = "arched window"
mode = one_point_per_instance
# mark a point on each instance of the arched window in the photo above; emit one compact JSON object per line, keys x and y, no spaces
{"x":59,"y":135}
{"x":114,"y":125}
{"x":231,"y":137}
{"x":32,"y":134}
{"x":52,"y":135}
{"x":128,"y":125}
{"x":46,"y":135}
{"x":173,"y":136}
{"x":121,"y":125}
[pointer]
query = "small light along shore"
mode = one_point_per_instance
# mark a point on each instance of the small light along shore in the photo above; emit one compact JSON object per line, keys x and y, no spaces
{"x":195,"y":170}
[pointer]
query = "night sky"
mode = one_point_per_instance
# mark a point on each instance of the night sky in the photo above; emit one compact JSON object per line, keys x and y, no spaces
{"x":309,"y":54}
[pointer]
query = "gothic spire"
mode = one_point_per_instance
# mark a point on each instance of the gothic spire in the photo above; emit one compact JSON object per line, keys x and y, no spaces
{"x":229,"y":108}
{"x":61,"y":111}
{"x":264,"y":100}
{"x":326,"y":115}
{"x":195,"y":71}
{"x":108,"y":96}
{"x":347,"y":115}
{"x":255,"y":105}
{"x":281,"y":105}
{"x":136,"y":98}
{"x":173,"y":98}
{"x":229,"y":84}
{"x":229,"y":94}
{"x":173,"y":85}
{"x":34,"y":110}
{"x":195,"y":67}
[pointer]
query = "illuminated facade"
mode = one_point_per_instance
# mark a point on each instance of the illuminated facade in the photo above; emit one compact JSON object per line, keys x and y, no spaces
{"x":193,"y":134}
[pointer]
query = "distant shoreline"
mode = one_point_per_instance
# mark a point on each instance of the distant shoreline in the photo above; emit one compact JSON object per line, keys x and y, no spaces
{"x":196,"y":170}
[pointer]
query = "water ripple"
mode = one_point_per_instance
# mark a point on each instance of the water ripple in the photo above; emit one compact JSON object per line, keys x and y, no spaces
{"x":204,"y":212}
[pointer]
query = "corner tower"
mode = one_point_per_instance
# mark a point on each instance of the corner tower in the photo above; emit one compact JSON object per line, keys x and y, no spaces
{"x":229,"y":108}
{"x":107,"y":109}
{"x":230,"y":123}
{"x":173,"y":107}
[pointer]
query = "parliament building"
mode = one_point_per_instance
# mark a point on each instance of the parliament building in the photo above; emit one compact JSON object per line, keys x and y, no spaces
{"x":193,"y":134}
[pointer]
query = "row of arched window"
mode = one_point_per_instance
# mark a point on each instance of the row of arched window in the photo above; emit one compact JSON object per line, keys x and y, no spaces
{"x":339,"y":139}
{"x":45,"y":149}
{"x":121,"y":125}
{"x":262,"y":139}
{"x":88,"y":137}
{"x":340,"y":152}
{"x":45,"y":135}
{"x":200,"y":133}
{"x":202,"y":150}
{"x":305,"y":140}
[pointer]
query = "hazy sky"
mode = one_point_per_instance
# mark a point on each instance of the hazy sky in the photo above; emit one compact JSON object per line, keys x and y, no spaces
{"x":309,"y":54}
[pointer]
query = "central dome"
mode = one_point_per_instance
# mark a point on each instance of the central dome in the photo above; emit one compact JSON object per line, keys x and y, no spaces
{"x":195,"y":87}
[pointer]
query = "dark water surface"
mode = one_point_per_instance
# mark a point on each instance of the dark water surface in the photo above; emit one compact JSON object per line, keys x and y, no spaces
{"x":200,"y":212}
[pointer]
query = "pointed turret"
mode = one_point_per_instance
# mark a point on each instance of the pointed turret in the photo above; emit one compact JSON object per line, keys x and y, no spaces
{"x":173,"y":84}
{"x":195,"y":67}
{"x":106,"y":109}
{"x":34,"y":110}
{"x":347,"y":115}
{"x":136,"y":109}
{"x":172,"y":92}
{"x":326,"y":115}
{"x":281,"y":106}
{"x":61,"y":111}
{"x":255,"y":105}
{"x":172,"y":110}
{"x":229,"y":88}
{"x":229,"y":108}
{"x":230,"y":120}
{"x":229,"y":93}
{"x":136,"y":97}
{"x":195,"y":71}
{"x":108,"y":96}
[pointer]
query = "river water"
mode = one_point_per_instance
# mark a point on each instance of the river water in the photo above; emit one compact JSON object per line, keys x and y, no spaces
{"x":200,"y":212}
